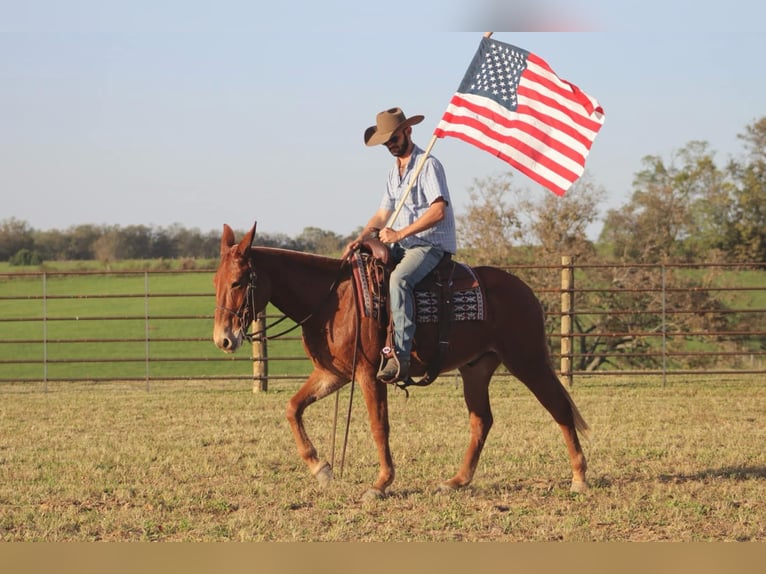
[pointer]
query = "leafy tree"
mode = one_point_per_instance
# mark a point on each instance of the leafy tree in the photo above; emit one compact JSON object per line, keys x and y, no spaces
{"x":559,"y":225}
{"x":80,"y":242}
{"x":109,"y":247}
{"x":490,"y":228}
{"x":14,"y":236}
{"x":320,"y":241}
{"x":505,"y":224}
{"x":51,"y":244}
{"x":163,"y":245}
{"x":675,"y":210}
{"x":747,"y":231}
{"x":25,"y":257}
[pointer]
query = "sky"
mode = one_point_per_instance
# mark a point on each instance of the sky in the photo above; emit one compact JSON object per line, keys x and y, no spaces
{"x":230,"y":111}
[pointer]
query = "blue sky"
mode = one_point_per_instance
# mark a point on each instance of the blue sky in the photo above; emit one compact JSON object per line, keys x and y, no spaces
{"x":200,"y":113}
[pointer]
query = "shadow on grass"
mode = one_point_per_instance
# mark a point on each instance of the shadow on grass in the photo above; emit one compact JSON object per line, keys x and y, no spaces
{"x":736,"y":473}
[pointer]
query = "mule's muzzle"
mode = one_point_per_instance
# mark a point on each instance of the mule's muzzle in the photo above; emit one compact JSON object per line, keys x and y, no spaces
{"x":228,"y":341}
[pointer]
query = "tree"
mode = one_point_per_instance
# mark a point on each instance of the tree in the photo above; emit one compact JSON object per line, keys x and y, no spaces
{"x":661,"y":222}
{"x":51,"y":244}
{"x":319,"y":241}
{"x":81,"y":240}
{"x":15,"y":235}
{"x":490,"y":227}
{"x":747,"y":231}
{"x":26,"y":257}
{"x":108,"y":247}
{"x":505,"y":224}
{"x":559,"y":225}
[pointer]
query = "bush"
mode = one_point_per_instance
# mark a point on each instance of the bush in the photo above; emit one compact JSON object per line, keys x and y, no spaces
{"x":25,"y":257}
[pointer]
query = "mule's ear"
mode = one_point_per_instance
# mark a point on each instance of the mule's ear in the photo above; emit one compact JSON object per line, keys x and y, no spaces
{"x":227,"y":239}
{"x":247,"y":240}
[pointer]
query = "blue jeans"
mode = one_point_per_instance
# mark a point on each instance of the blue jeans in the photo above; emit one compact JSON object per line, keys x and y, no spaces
{"x":412,"y":266}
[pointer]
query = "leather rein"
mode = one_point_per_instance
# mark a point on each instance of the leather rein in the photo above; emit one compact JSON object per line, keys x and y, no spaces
{"x":248,"y":307}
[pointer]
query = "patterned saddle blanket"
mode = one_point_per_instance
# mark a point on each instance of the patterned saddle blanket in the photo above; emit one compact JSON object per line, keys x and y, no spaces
{"x":465,"y":291}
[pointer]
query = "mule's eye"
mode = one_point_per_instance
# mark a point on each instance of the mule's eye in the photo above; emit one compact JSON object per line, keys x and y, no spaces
{"x":236,"y":285}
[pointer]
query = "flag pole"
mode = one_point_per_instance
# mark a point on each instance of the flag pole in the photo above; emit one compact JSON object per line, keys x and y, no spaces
{"x":414,"y":177}
{"x":418,"y":169}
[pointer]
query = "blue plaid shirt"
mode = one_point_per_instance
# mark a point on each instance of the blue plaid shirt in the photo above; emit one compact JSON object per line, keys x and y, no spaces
{"x":430,"y":185}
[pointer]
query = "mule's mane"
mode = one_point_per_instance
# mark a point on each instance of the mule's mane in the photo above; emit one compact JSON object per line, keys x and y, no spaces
{"x":301,"y":257}
{"x":300,"y":280}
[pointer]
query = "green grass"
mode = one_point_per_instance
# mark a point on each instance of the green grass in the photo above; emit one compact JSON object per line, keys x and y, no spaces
{"x":119,"y":312}
{"x":78,"y":317}
{"x":215,"y":462}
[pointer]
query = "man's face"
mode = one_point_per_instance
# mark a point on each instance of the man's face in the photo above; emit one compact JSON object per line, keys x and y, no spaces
{"x":399,"y":142}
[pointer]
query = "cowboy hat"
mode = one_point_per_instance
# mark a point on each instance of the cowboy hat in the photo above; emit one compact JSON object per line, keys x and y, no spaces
{"x":386,"y":123}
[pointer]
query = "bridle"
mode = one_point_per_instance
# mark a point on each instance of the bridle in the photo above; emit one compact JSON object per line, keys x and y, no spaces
{"x":247,"y":305}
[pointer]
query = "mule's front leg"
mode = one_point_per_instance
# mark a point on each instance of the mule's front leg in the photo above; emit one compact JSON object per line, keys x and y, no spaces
{"x":317,"y":386}
{"x":376,"y":399}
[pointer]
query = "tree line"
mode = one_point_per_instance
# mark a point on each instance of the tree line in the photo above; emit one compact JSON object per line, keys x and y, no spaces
{"x":20,"y":244}
{"x":684,"y":207}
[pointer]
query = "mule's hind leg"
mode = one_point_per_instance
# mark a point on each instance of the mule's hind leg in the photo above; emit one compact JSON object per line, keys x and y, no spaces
{"x":476,"y":378}
{"x":317,"y":386}
{"x":541,"y":379}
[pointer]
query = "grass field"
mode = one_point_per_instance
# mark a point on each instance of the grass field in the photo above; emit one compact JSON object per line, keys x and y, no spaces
{"x":112,"y":310}
{"x":215,"y":462}
{"x":137,"y":322}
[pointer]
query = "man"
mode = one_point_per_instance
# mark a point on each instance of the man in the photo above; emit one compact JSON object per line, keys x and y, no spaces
{"x":423,"y":231}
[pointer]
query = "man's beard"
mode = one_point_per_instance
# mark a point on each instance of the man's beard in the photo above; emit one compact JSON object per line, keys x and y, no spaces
{"x":400,"y":150}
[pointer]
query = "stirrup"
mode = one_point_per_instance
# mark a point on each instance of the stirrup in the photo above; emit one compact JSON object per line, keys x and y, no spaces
{"x":391,"y":369}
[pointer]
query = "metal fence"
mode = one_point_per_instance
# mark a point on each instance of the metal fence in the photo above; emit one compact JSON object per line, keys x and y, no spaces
{"x":157,"y":325}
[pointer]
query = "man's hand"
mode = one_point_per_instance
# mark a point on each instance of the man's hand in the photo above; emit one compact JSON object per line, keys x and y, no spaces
{"x":350,"y":248}
{"x":388,"y":235}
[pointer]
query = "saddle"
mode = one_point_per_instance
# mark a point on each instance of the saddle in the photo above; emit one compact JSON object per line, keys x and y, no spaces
{"x":450,"y":292}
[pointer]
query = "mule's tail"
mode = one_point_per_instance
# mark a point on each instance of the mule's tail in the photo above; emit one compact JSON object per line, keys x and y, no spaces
{"x":579,"y":422}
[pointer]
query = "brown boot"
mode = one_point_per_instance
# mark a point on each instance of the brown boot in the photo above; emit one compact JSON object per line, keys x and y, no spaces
{"x":393,"y":369}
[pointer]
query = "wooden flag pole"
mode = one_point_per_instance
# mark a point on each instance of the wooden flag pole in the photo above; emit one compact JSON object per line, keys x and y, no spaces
{"x":416,"y":173}
{"x":413,"y":178}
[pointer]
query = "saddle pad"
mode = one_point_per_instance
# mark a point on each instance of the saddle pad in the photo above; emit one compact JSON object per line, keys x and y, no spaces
{"x":468,"y":305}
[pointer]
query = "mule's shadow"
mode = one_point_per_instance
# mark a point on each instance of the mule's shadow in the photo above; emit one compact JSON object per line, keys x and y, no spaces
{"x":736,"y":473}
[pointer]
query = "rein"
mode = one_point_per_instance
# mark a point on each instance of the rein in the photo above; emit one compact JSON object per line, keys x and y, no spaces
{"x":248,"y":305}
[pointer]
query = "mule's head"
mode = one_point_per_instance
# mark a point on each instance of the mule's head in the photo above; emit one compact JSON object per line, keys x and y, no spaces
{"x":239,"y":293}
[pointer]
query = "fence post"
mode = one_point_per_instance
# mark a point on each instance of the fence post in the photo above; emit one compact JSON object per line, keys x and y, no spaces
{"x":664,"y":328}
{"x":146,"y":329}
{"x":45,"y":330}
{"x":260,"y":356}
{"x":567,"y":312}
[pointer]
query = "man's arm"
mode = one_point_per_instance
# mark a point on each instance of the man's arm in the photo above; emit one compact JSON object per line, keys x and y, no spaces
{"x":377,"y":221}
{"x":433,"y":215}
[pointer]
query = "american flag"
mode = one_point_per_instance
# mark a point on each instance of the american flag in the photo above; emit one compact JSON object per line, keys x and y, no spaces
{"x":511,"y":104}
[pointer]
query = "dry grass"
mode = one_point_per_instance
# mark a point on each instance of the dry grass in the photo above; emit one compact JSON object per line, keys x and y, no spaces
{"x":209,"y":463}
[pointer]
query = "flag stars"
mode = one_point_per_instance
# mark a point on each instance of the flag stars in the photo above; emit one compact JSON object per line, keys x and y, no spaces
{"x":497,"y":75}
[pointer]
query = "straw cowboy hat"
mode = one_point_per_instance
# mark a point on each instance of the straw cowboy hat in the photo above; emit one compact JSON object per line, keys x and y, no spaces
{"x":386,"y":123}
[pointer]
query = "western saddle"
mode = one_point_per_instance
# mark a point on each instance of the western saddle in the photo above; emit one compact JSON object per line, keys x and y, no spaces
{"x":372,"y":267}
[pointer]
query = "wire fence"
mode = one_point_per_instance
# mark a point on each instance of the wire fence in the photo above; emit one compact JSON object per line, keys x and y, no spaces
{"x":602,"y":319}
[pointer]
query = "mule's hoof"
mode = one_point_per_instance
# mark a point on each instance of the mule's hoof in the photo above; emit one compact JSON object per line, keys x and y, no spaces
{"x":579,"y":486}
{"x":372,"y":494}
{"x":445,"y":487}
{"x":324,"y":474}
